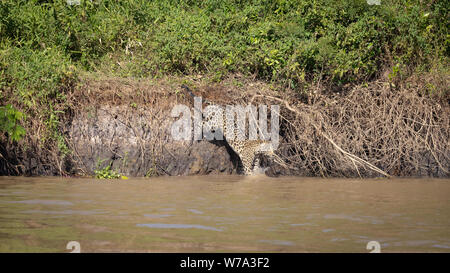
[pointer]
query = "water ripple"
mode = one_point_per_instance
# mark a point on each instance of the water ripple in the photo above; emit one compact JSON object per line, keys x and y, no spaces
{"x":43,"y":202}
{"x":181,"y":226}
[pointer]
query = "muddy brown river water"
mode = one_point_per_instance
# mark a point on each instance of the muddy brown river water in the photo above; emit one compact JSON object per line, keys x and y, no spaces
{"x":224,"y":214}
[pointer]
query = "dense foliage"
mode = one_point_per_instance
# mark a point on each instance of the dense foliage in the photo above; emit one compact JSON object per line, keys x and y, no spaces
{"x":9,"y":119}
{"x":45,"y":44}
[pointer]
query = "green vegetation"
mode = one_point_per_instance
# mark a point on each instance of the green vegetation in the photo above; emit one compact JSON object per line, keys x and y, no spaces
{"x":9,"y":122}
{"x":107,"y":172}
{"x":45,"y":45}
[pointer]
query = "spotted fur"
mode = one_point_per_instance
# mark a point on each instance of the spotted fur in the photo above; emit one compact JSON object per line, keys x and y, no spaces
{"x":247,"y":150}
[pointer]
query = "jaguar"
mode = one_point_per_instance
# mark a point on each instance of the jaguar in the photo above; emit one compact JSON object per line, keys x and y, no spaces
{"x":248,"y":151}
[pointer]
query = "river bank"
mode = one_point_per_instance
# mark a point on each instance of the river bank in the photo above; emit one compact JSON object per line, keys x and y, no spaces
{"x":87,"y":89}
{"x":125,"y":124}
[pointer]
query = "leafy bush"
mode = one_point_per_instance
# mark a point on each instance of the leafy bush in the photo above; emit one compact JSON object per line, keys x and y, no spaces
{"x":9,"y":122}
{"x":278,"y":40}
{"x":107,"y":173}
{"x":39,"y":81}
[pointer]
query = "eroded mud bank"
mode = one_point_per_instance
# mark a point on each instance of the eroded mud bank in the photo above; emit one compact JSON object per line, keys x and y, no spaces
{"x":126,"y":124}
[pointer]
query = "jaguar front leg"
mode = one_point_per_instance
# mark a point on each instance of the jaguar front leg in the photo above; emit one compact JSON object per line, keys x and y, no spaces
{"x":247,"y":162}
